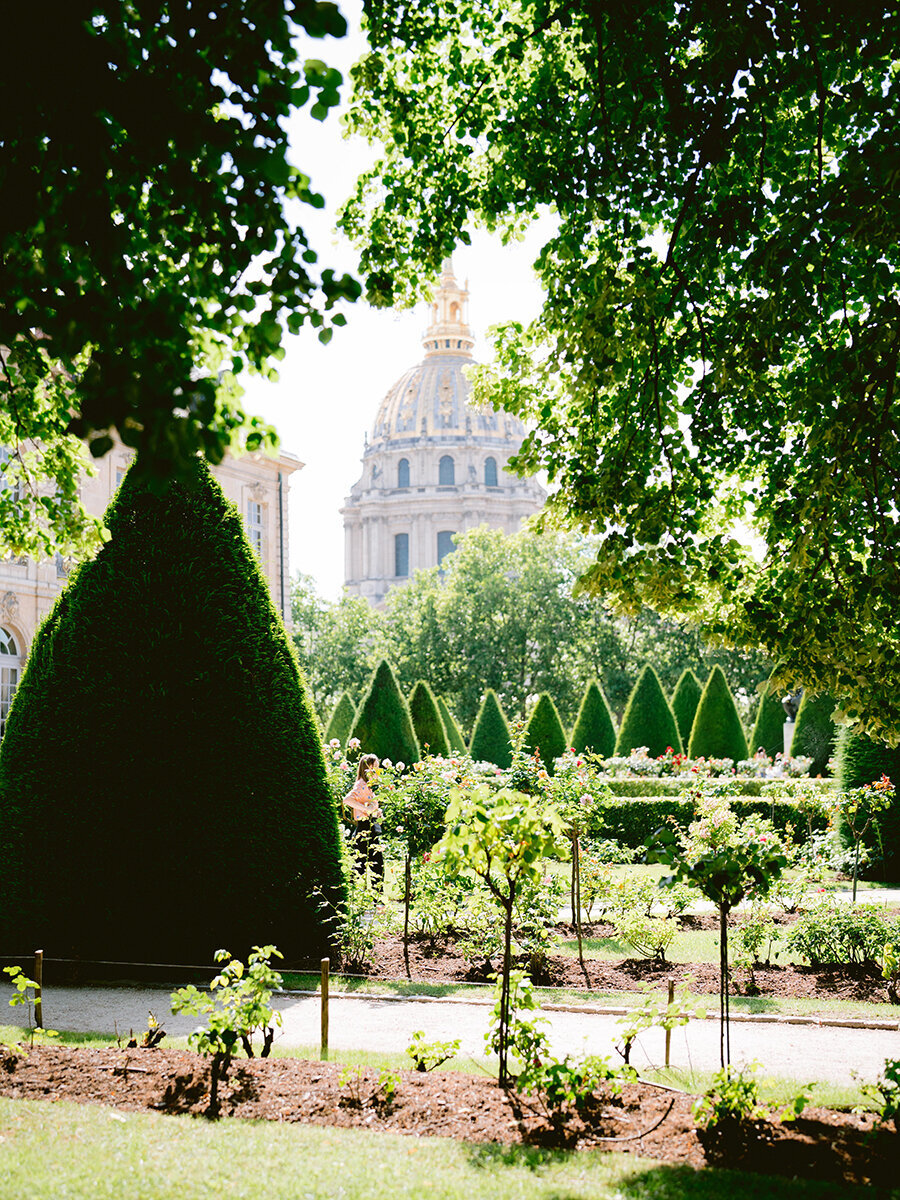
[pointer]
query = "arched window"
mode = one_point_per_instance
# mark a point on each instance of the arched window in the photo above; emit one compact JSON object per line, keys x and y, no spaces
{"x":446,"y":472}
{"x":403,"y":473}
{"x":401,"y":555}
{"x":454,"y":312}
{"x":9,"y":673}
{"x":445,"y":544}
{"x":490,"y":472}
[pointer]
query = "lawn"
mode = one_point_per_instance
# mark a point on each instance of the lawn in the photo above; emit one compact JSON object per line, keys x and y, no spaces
{"x":66,"y":1151}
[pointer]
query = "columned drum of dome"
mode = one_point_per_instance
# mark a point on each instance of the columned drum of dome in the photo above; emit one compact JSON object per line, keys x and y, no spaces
{"x":435,"y":462}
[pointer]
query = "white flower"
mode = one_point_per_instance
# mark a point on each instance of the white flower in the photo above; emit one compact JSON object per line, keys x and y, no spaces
{"x":353,"y":744}
{"x":401,"y":766}
{"x":335,"y":742}
{"x":386,"y":762}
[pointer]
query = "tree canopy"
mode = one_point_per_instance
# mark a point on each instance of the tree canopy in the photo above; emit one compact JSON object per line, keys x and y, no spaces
{"x":149,"y":244}
{"x":712,"y":382}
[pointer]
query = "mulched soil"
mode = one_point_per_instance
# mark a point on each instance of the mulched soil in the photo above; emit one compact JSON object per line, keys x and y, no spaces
{"x":646,"y":1120}
{"x":437,"y":961}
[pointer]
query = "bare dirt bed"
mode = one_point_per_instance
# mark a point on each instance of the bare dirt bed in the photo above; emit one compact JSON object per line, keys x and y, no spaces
{"x":437,"y":961}
{"x":645,"y":1120}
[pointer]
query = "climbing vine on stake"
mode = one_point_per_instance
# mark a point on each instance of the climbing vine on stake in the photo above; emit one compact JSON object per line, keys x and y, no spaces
{"x":503,"y":839}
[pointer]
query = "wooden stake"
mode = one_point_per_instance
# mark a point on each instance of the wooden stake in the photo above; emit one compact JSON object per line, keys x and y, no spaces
{"x":326,"y":963}
{"x":39,"y":980}
{"x":669,"y":1031}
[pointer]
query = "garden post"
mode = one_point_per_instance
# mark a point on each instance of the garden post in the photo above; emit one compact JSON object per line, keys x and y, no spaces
{"x":38,"y":991}
{"x":323,"y":1054}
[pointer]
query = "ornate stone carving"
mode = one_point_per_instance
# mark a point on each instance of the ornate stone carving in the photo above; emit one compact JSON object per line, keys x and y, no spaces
{"x":9,"y":605}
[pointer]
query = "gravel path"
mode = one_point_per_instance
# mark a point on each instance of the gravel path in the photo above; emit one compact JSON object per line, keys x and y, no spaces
{"x":790,"y":1049}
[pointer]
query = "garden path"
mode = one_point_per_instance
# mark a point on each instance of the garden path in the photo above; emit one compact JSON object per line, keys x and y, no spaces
{"x":790,"y":1048}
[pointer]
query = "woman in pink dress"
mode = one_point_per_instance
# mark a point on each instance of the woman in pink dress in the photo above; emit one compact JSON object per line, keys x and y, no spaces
{"x":364,"y":814}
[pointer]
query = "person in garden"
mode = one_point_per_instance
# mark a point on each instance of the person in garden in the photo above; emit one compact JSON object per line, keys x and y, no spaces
{"x":364,"y":814}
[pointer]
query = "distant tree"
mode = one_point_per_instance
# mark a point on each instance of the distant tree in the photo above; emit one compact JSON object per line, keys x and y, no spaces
{"x":768,"y":728}
{"x":455,"y":739}
{"x":594,"y":726}
{"x":163,"y":752}
{"x":718,"y":731}
{"x":383,"y":723}
{"x":427,"y":721}
{"x":341,"y":721}
{"x":815,"y":732}
{"x":339,"y":643}
{"x":544,"y":732}
{"x":648,"y":719}
{"x":862,"y":760}
{"x":490,"y":735}
{"x":685,"y":699}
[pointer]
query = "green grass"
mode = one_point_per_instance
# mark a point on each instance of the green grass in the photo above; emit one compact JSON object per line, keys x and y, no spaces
{"x":66,"y":1151}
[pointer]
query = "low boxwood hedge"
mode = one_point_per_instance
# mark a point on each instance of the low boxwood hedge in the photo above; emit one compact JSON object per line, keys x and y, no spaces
{"x":630,"y":822}
{"x":672,"y":786}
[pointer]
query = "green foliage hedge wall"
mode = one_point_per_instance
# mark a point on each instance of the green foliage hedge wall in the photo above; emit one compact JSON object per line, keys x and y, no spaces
{"x":815,"y":733}
{"x":860,"y":760}
{"x":162,"y":782}
{"x":455,"y":739}
{"x":717,"y":731}
{"x":632,"y":822}
{"x":544,"y":732}
{"x":427,"y":721}
{"x":685,"y":700}
{"x":648,"y":720}
{"x":594,"y":727}
{"x":490,"y":734}
{"x":341,"y":721}
{"x":383,"y":723}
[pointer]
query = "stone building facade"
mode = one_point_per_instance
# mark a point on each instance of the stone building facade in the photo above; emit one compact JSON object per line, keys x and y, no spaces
{"x":258,"y":486}
{"x":435,"y":465}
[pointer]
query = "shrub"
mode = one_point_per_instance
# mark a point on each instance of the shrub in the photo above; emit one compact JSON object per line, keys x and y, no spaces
{"x":685,"y":699}
{"x":427,"y":722}
{"x":860,"y":760}
{"x":455,"y":739}
{"x":836,"y":932}
{"x":768,"y":728}
{"x":383,"y":723}
{"x":717,"y":731}
{"x":544,"y":732}
{"x":163,"y":751}
{"x":815,"y":731}
{"x":594,"y":727}
{"x":341,"y":722}
{"x":648,"y":720}
{"x":490,"y":735}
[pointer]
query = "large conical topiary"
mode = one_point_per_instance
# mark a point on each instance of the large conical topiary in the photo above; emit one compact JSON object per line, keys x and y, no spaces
{"x":594,"y":728}
{"x":648,"y":719}
{"x":544,"y":731}
{"x":455,"y":739}
{"x":383,"y":723}
{"x":718,"y":731}
{"x":860,"y":760}
{"x":815,"y":732}
{"x":341,"y":721}
{"x":427,"y":721}
{"x":490,"y":733}
{"x":768,"y":728}
{"x":685,"y":700}
{"x":162,"y":782}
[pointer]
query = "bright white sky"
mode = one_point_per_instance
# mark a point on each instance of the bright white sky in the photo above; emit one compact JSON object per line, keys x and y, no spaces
{"x":326,"y":397}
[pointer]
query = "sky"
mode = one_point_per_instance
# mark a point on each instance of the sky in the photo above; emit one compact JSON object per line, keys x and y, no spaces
{"x":327,"y":396}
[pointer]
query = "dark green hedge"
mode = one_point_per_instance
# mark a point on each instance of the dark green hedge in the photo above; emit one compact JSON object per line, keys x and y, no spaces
{"x":383,"y":723}
{"x":860,"y":760}
{"x":594,"y":726}
{"x":685,"y":699}
{"x":162,"y":783}
{"x":341,"y":720}
{"x":632,"y":822}
{"x":717,"y":731}
{"x":648,"y":720}
{"x":427,"y":721}
{"x":544,"y":732}
{"x":768,"y":727}
{"x":490,"y":734}
{"x":815,"y":733}
{"x":455,"y":739}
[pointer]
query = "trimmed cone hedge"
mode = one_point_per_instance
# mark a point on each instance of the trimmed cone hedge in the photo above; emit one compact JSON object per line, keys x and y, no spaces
{"x":815,"y":732}
{"x":544,"y":732}
{"x":768,"y":728}
{"x":162,"y":783}
{"x":648,"y":719}
{"x":490,"y":734}
{"x":383,"y":723}
{"x":455,"y":739}
{"x":861,"y":760}
{"x":685,"y":700}
{"x":594,"y":726}
{"x":427,"y":722}
{"x":341,"y":720}
{"x":718,"y":731}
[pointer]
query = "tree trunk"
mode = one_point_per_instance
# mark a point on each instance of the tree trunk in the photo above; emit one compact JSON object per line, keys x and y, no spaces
{"x":724,"y":1032}
{"x":503,"y":1074}
{"x":407,"y":892}
{"x":576,"y":892}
